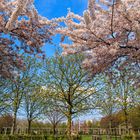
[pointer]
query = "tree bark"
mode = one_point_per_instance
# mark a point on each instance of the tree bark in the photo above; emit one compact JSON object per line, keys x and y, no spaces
{"x":29,"y":126}
{"x":126,"y":118}
{"x":110,"y":123}
{"x":69,"y":127}
{"x":54,"y":129}
{"x":14,"y":123}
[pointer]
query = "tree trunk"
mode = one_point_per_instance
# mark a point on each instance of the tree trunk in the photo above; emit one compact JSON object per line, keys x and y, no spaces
{"x":54,"y":129}
{"x":110,"y":127}
{"x":69,"y":127}
{"x":14,"y":123}
{"x":110,"y":124}
{"x":126,"y":118}
{"x":29,"y":126}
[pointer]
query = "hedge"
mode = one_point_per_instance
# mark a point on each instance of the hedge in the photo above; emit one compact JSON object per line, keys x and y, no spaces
{"x":35,"y":137}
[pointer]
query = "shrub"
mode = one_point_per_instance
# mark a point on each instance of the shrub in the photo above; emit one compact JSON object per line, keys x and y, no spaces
{"x":137,"y":137}
{"x":127,"y":137}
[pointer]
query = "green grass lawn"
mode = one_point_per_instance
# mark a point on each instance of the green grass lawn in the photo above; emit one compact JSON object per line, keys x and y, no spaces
{"x":86,"y":137}
{"x":35,"y":137}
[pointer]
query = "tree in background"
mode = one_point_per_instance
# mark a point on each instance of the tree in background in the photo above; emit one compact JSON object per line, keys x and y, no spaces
{"x":15,"y":92}
{"x":107,"y":97}
{"x":33,"y":104}
{"x":19,"y":87}
{"x":69,"y":87}
{"x":125,"y":87}
{"x":6,"y":120}
{"x":117,"y":119}
{"x":4,"y":96}
{"x":32,"y":99}
{"x":55,"y":117}
{"x":121,"y":92}
{"x":134,"y":117}
{"x":108,"y":30}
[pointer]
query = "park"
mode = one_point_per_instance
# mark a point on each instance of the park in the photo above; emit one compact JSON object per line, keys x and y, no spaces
{"x":69,"y":70}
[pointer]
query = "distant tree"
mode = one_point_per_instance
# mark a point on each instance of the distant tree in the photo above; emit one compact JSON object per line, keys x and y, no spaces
{"x":120,"y":90}
{"x":89,"y":123}
{"x":4,"y":96}
{"x":116,"y":119}
{"x":39,"y":124}
{"x":18,"y":87}
{"x":125,"y":79}
{"x":33,"y":104}
{"x":32,"y":99}
{"x":55,"y":117}
{"x":119,"y":118}
{"x":107,"y":98}
{"x":6,"y":120}
{"x":134,"y":117}
{"x":15,"y":92}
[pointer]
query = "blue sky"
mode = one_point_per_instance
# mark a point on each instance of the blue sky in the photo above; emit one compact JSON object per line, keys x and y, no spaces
{"x":58,"y":8}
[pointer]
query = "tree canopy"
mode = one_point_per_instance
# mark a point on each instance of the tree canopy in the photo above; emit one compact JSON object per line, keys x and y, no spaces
{"x":20,"y":32}
{"x":108,"y":29}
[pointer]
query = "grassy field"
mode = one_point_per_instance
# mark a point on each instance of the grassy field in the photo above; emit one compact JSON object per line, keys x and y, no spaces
{"x":86,"y":137}
{"x":36,"y":137}
{"x":90,"y":138}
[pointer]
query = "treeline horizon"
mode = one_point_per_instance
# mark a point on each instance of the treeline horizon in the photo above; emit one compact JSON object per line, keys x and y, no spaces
{"x":104,"y":122}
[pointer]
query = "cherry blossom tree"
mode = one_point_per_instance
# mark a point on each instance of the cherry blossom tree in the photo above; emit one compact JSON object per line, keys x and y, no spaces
{"x":22,"y":30}
{"x":108,"y":30}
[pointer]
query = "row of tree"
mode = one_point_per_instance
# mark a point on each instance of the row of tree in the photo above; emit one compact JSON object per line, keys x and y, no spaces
{"x":59,"y":88}
{"x":118,"y":119}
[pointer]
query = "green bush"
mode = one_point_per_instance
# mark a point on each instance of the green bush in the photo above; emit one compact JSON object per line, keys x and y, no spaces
{"x":35,"y":137}
{"x":127,"y":137}
{"x":78,"y":137}
{"x":137,"y":137}
{"x":22,"y":137}
{"x":64,"y":137}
